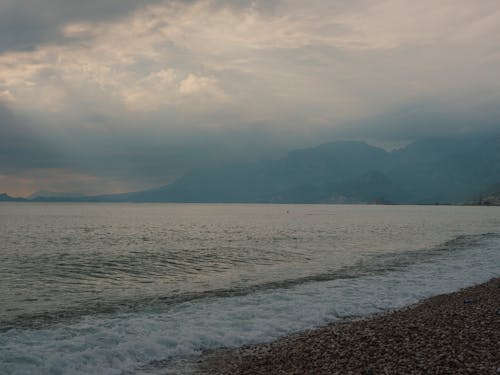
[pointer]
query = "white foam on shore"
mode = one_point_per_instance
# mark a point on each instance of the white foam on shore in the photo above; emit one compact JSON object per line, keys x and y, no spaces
{"x":119,"y":343}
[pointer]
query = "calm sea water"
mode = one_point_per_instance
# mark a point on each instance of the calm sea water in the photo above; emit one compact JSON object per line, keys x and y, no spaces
{"x":127,"y":288}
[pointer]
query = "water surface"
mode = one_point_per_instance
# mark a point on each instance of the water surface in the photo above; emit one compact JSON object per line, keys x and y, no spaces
{"x":115,"y":287}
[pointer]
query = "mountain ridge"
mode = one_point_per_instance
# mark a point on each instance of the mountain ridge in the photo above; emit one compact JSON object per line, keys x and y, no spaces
{"x":424,"y":172}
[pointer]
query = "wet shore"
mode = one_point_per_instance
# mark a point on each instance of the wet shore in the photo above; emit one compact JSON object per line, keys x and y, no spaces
{"x":455,"y":333}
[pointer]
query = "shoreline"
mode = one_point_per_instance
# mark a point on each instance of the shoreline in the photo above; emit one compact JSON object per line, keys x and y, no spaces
{"x":450,"y":333}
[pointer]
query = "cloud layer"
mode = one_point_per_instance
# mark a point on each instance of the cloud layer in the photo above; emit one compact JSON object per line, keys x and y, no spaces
{"x":129,"y":90}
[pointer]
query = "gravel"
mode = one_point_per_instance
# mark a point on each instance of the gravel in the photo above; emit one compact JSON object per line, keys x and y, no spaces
{"x":457,"y":333}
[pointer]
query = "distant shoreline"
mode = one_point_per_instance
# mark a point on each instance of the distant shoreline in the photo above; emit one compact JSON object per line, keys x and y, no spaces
{"x":24,"y":200}
{"x":451,"y":333}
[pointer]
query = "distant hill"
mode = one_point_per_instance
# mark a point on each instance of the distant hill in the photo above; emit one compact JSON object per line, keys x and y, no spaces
{"x":446,"y":170}
{"x":426,"y":171}
{"x":306,"y":175}
{"x":53,"y":194}
{"x":490,"y":197}
{"x":7,"y":198}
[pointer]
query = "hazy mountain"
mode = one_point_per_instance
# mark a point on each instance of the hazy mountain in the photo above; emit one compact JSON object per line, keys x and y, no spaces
{"x":53,"y":194}
{"x":309,"y":172}
{"x":490,"y":197}
{"x":427,"y":171}
{"x":446,"y":170}
{"x":7,"y":198}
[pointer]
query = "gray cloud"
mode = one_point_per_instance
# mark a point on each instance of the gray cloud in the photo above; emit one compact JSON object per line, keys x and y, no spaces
{"x":50,"y":157}
{"x":21,"y":147}
{"x":24,"y":24}
{"x":123,"y":96}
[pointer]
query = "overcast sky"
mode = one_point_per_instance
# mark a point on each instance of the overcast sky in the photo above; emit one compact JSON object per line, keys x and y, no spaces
{"x":103,"y":96}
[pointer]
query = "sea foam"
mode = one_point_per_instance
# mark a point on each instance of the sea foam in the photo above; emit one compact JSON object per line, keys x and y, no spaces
{"x":126,"y":342}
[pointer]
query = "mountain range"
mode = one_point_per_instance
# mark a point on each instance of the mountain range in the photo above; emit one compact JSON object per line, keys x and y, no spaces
{"x":424,"y":172}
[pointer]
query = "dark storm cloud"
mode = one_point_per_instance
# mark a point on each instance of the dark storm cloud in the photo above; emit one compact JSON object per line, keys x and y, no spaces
{"x":142,"y":157}
{"x":24,"y":24}
{"x":160,"y":155}
{"x":21,"y":147}
{"x":423,"y":119}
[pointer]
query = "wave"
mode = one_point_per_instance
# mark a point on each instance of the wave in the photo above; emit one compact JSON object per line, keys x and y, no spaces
{"x":373,"y":265}
{"x":123,"y":342}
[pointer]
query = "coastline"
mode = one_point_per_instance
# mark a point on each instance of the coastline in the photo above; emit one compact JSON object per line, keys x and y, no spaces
{"x":451,"y":333}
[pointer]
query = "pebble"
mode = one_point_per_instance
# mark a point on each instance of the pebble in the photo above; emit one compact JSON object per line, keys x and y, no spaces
{"x":441,"y":335}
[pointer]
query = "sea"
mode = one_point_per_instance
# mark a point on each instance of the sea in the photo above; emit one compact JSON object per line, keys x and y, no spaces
{"x":147,"y":288}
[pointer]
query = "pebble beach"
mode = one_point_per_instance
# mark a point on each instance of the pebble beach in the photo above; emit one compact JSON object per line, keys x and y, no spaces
{"x":457,"y":333}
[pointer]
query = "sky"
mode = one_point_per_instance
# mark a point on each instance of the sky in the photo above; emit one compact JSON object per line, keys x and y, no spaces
{"x":106,"y":96}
